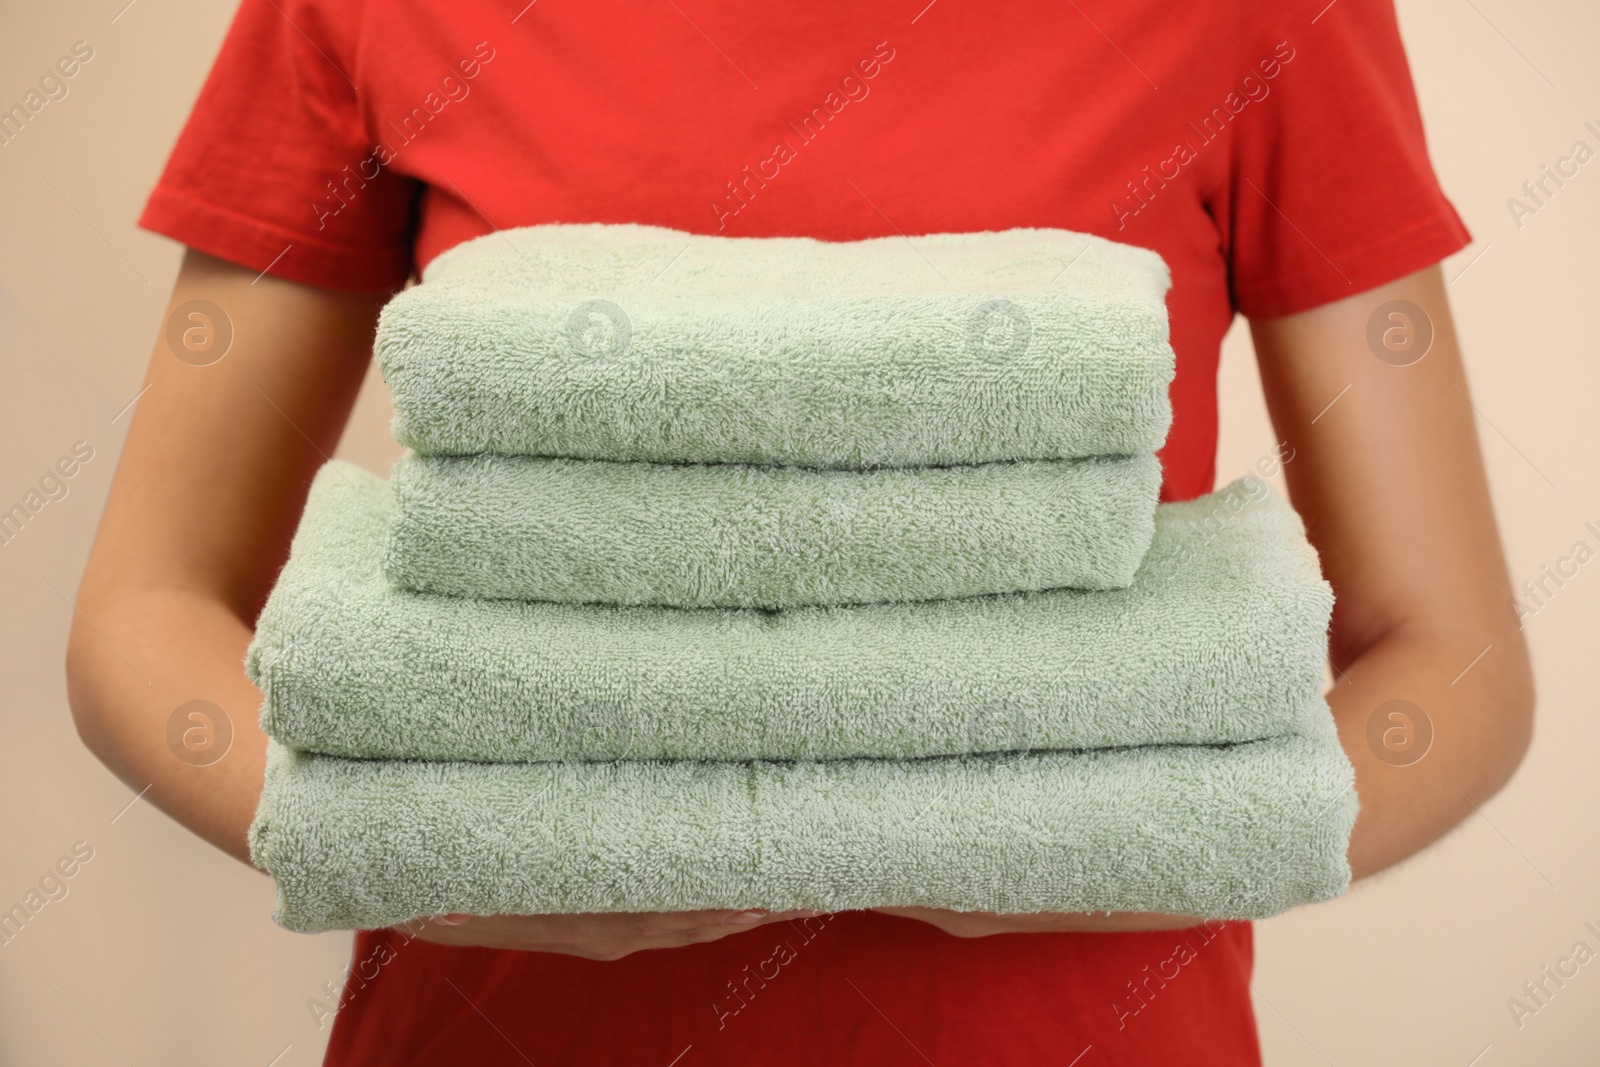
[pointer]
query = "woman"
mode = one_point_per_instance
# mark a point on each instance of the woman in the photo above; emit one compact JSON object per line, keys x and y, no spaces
{"x":1274,"y":158}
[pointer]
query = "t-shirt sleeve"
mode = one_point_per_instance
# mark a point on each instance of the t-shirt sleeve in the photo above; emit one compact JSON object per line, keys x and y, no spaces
{"x":275,"y":169}
{"x":1331,"y":189}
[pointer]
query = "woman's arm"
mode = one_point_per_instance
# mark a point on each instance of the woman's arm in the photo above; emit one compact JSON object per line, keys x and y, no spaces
{"x":1391,"y":485}
{"x":207,"y":495}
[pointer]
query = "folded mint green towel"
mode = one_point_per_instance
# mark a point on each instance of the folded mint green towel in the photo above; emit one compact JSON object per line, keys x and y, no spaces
{"x":642,"y":343}
{"x":1223,"y":832}
{"x":734,"y":535}
{"x":1221,"y":638}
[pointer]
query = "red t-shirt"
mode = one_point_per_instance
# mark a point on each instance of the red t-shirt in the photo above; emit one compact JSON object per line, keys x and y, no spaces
{"x":1271,"y":152}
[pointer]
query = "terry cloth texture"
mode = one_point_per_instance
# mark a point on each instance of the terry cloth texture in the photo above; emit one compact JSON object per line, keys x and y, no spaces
{"x":642,"y":343}
{"x":734,"y":535}
{"x":1221,"y":638}
{"x":1236,"y":832}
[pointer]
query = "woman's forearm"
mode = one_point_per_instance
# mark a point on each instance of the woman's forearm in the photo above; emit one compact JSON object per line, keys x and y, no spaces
{"x":207,"y":493}
{"x":1435,"y":725}
{"x":134,"y":660}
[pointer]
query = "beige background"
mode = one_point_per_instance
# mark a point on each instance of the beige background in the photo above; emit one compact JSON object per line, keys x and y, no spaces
{"x":163,"y":952}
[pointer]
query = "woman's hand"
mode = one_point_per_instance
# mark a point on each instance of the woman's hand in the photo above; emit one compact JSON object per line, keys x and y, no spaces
{"x":592,"y":937}
{"x":986,"y":924}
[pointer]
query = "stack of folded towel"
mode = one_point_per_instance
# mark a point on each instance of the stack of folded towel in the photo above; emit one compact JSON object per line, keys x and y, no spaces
{"x":736,"y":573}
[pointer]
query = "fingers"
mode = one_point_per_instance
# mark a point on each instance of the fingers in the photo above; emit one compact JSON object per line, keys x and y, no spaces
{"x":606,"y":936}
{"x":653,"y":930}
{"x":678,"y":929}
{"x":748,"y":918}
{"x":653,"y":924}
{"x":954,"y":923}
